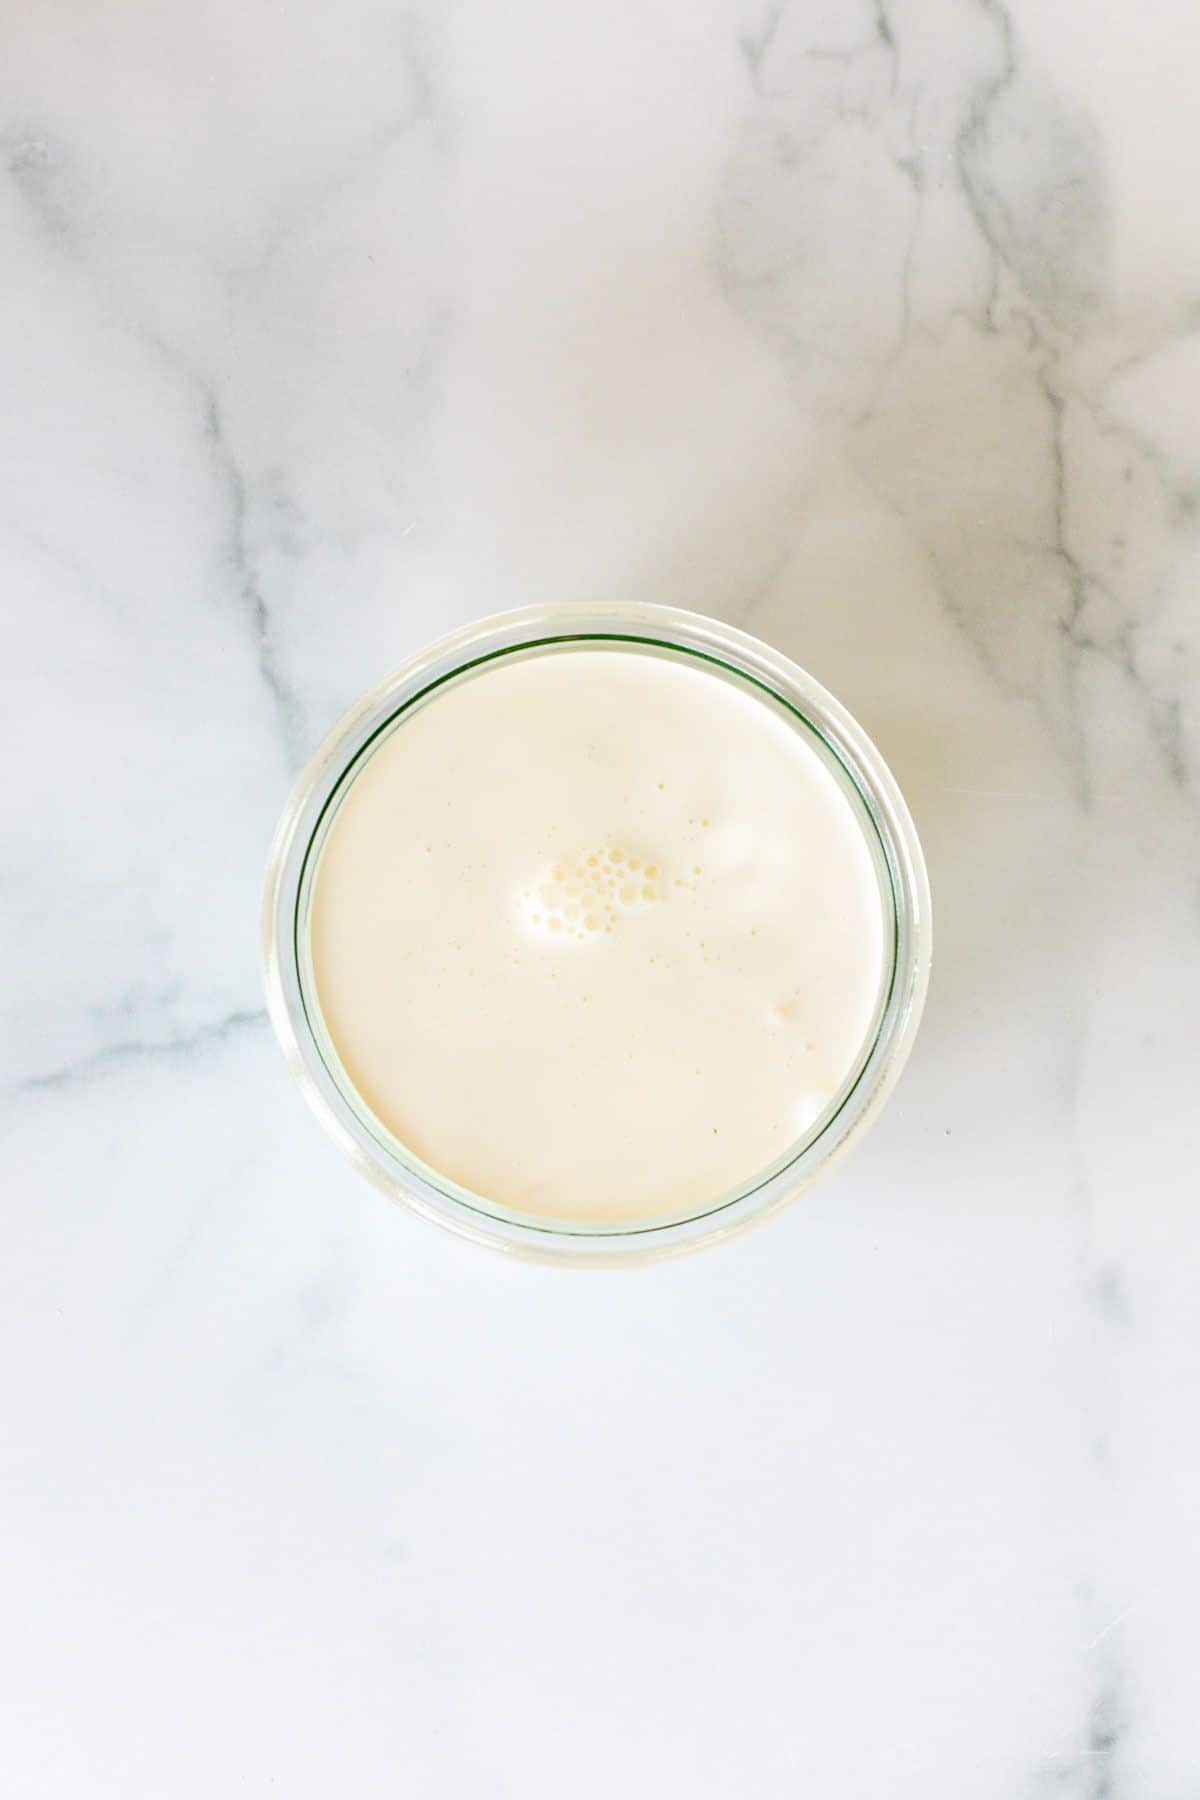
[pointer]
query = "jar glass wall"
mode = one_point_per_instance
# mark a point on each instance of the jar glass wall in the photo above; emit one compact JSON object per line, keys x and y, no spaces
{"x":846,"y":751}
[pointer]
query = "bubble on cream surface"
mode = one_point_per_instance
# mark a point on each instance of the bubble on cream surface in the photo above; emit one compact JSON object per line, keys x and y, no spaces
{"x":588,"y":894}
{"x":597,"y":934}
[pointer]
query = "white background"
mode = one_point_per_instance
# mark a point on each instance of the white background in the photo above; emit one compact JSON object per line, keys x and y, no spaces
{"x":875,"y":327}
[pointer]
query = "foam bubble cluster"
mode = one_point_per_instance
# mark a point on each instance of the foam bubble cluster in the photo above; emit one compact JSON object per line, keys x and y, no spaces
{"x":587,"y":896}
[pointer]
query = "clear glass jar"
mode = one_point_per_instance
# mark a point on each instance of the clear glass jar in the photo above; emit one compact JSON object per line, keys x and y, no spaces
{"x":287,"y":964}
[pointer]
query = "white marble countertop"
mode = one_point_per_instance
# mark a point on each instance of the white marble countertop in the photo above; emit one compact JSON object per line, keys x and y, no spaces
{"x":875,"y":326}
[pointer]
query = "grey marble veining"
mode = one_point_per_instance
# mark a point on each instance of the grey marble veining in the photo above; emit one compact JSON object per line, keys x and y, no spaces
{"x":875,"y":326}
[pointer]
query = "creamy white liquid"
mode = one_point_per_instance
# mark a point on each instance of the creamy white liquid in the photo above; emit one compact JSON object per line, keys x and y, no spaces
{"x":597,"y":934}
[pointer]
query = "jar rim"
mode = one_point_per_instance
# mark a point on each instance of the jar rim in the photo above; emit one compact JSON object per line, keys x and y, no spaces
{"x":314,"y":802}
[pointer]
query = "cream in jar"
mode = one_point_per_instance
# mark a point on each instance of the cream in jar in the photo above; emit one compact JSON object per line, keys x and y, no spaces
{"x":598,"y":934}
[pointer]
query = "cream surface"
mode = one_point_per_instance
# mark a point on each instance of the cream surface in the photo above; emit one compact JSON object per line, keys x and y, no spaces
{"x":597,"y":934}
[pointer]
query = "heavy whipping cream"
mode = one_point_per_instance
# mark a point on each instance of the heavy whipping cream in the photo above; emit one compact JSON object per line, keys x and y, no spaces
{"x":597,"y":934}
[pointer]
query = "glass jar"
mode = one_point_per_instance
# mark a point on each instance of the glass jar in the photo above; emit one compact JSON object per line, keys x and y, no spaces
{"x":846,"y":750}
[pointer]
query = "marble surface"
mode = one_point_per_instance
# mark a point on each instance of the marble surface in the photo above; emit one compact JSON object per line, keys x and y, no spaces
{"x":872,"y":325}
